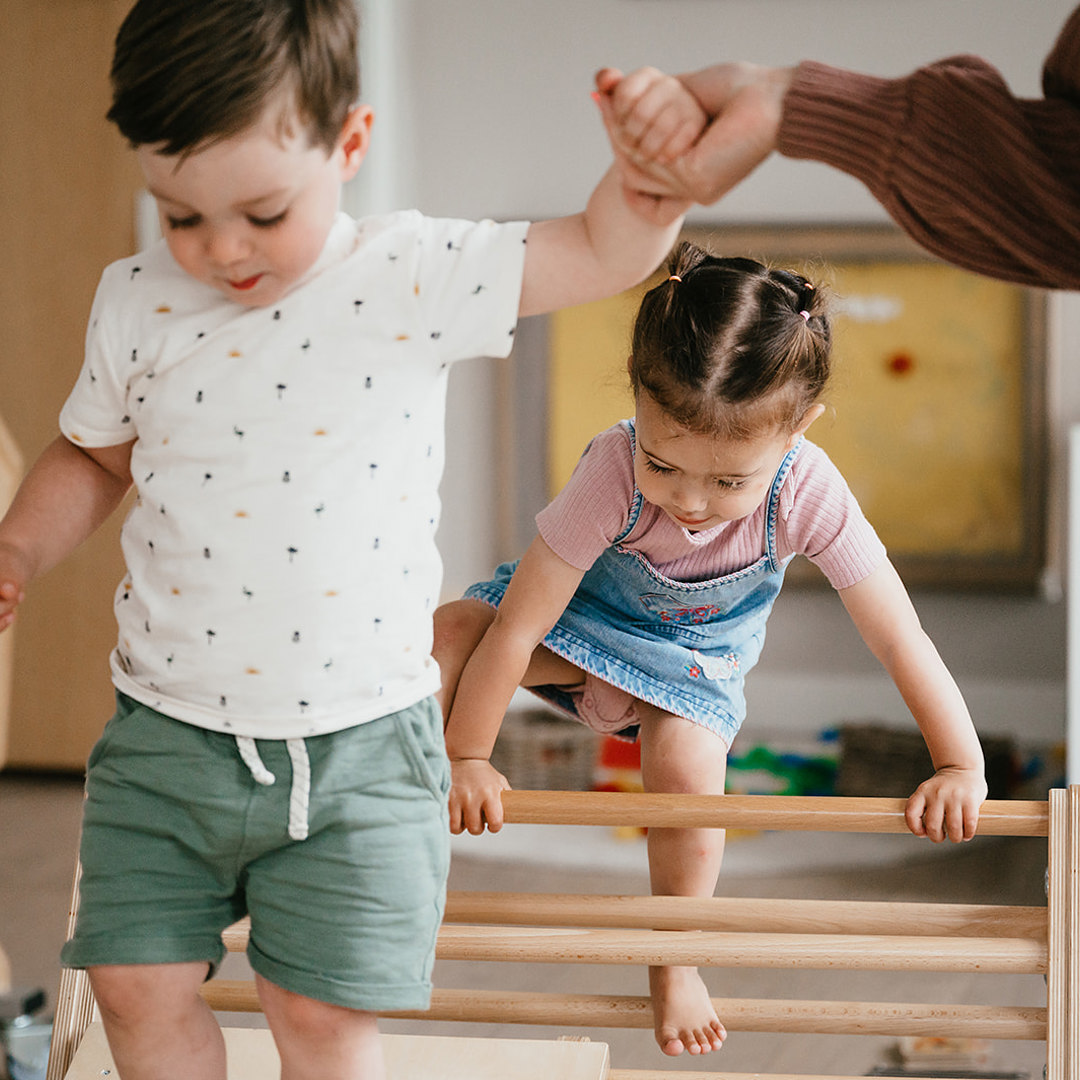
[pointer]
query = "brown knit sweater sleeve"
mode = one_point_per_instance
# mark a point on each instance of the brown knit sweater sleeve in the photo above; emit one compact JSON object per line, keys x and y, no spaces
{"x":977,"y":176}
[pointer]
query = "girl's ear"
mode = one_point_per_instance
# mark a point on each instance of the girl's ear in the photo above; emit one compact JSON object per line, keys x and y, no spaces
{"x":354,"y":140}
{"x":808,"y":418}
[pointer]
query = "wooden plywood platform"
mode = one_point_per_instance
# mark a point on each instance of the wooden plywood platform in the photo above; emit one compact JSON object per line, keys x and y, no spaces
{"x":252,"y":1056}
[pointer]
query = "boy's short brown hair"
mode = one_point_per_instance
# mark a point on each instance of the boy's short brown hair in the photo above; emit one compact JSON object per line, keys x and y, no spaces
{"x":190,"y":72}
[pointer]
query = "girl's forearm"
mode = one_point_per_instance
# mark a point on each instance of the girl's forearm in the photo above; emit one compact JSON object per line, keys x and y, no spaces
{"x":488,"y":682}
{"x":935,"y":701}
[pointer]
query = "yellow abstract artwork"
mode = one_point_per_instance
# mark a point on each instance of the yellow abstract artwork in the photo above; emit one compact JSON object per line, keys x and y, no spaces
{"x":934,"y":412}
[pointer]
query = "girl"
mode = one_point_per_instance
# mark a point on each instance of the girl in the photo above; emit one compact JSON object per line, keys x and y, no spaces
{"x":641,"y":605}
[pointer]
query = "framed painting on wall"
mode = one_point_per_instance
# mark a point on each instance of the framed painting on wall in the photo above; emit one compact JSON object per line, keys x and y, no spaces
{"x":936,"y":410}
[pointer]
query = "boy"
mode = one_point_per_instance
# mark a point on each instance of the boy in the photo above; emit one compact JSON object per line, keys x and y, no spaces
{"x":271,"y":378}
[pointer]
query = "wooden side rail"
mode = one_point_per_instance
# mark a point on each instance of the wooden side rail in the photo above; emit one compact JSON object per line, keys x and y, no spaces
{"x":803,"y":813}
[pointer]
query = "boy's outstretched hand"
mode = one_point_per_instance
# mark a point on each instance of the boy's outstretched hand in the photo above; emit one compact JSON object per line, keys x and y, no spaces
{"x":476,"y":788}
{"x":947,"y":805}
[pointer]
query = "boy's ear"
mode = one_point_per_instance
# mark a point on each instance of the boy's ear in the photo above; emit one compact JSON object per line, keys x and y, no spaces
{"x":354,"y":140}
{"x":808,"y":418}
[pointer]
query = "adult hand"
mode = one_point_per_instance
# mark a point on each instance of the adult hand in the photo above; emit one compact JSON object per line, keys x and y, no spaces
{"x":744,"y":104}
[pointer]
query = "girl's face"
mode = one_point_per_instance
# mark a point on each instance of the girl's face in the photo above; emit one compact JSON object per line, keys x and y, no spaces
{"x":249,"y":215}
{"x":702,"y":480}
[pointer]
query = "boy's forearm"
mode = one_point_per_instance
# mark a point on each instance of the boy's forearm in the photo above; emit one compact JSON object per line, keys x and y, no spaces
{"x":605,"y":249}
{"x":628,"y":246}
{"x":66,"y":495}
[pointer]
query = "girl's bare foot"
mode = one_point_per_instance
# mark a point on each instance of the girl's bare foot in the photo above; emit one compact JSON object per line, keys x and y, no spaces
{"x":684,"y":1017}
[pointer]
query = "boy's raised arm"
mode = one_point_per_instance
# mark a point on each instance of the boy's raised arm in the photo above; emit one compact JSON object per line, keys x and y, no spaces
{"x":623,"y":234}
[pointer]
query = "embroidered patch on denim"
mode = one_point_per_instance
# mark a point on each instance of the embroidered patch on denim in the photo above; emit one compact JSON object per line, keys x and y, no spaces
{"x":713,"y":667}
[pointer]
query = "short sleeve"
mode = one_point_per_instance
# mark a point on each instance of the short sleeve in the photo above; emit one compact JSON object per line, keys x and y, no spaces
{"x":95,"y":413}
{"x":594,"y":507}
{"x":468,"y":284}
{"x":821,"y":519}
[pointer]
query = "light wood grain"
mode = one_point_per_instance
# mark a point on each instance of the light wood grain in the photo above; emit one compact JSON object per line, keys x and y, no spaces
{"x":1001,"y":817}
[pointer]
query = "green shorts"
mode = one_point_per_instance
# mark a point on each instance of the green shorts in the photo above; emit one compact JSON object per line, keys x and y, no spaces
{"x":179,"y":841}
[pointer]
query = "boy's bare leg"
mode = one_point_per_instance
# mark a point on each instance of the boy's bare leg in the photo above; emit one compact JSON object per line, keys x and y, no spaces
{"x":682,"y":757}
{"x":158,"y":1026}
{"x":319,"y":1041}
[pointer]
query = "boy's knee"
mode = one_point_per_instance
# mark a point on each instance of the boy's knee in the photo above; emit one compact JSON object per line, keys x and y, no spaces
{"x":297,"y":1018}
{"x":135,"y":993}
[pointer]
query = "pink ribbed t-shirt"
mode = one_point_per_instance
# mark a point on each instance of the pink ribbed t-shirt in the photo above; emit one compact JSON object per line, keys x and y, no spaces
{"x":818,"y":518}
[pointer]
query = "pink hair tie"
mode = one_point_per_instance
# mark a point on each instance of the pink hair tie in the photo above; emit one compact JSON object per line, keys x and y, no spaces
{"x":805,"y":315}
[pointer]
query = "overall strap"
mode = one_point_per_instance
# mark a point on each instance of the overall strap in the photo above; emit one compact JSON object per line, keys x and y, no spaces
{"x":636,"y":503}
{"x":772,"y":511}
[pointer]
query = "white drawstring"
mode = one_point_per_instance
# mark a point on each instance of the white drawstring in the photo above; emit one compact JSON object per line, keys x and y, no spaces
{"x":250,"y":753}
{"x":301,"y":788}
{"x":299,"y":793}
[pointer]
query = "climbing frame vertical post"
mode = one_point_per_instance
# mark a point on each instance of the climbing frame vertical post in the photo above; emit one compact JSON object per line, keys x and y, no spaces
{"x":1063,"y":931}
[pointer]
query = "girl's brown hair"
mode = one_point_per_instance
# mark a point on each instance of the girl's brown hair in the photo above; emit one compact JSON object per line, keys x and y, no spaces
{"x":729,"y":346}
{"x":190,"y":72}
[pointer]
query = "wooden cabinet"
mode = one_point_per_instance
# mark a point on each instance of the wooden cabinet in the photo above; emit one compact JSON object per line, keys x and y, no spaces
{"x":67,"y":184}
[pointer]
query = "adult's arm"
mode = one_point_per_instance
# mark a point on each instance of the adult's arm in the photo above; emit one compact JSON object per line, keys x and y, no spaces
{"x":977,"y":176}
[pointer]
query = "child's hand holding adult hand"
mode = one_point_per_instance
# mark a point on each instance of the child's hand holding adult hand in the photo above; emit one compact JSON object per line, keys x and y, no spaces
{"x":476,"y":788}
{"x":947,"y":805}
{"x":712,"y":131}
{"x":654,"y":117}
{"x":668,"y":118}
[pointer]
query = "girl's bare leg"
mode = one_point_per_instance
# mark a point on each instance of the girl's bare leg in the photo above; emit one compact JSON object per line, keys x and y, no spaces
{"x":682,"y":757}
{"x":459,"y":626}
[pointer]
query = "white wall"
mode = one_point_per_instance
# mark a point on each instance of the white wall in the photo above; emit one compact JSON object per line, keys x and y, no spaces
{"x":483,"y":111}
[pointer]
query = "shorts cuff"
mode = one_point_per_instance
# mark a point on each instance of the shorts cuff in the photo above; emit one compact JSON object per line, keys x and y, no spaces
{"x":102,"y":950}
{"x":365,"y":996}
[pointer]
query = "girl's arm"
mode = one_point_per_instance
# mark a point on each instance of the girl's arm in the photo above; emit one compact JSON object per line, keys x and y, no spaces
{"x":537,"y":595}
{"x":948,"y":803}
{"x":67,"y":494}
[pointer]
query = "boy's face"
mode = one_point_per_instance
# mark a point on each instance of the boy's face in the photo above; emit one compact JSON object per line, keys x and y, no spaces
{"x":250,"y":215}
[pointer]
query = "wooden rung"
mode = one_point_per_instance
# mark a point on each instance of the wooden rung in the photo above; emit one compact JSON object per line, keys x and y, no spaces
{"x":805,"y":813}
{"x":846,"y":952}
{"x":577,"y":1011}
{"x":729,"y":914}
{"x":747,"y":915}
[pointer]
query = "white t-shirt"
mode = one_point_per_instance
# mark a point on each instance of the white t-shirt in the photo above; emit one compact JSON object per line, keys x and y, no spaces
{"x":281,"y":561}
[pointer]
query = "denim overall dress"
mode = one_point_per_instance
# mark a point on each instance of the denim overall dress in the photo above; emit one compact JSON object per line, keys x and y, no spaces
{"x":684,"y":646}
